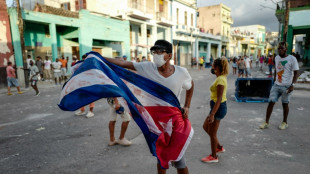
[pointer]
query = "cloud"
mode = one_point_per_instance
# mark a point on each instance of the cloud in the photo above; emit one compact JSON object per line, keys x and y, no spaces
{"x":248,"y":12}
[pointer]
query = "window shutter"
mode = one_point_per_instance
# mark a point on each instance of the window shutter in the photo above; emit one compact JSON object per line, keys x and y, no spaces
{"x":84,"y":4}
{"x":77,"y":7}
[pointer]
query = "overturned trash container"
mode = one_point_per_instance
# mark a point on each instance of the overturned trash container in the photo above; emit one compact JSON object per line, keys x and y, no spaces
{"x":253,"y":89}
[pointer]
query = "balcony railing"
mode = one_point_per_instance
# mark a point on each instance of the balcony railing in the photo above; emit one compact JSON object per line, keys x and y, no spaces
{"x":140,"y":6}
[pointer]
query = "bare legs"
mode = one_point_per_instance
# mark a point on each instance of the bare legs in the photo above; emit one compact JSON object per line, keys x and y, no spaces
{"x":211,"y":130}
{"x":123,"y":130}
{"x":270,"y":108}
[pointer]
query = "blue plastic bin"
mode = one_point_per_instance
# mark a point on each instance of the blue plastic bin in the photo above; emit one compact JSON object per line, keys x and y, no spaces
{"x":253,"y":89}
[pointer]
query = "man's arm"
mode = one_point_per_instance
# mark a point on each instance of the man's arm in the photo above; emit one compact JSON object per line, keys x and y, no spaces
{"x":188,"y":99}
{"x":291,"y":88}
{"x":121,"y":63}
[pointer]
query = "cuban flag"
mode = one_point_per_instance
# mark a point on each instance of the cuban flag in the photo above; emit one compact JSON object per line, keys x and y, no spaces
{"x":154,"y":108}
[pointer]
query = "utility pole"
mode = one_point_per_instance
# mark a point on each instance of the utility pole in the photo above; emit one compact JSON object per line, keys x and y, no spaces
{"x":286,"y":19}
{"x":21,"y":28}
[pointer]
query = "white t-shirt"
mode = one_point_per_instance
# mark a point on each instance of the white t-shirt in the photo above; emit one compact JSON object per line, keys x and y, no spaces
{"x":47,"y":64}
{"x":247,"y":62}
{"x":175,"y":82}
{"x":285,"y":68}
{"x":56,"y":66}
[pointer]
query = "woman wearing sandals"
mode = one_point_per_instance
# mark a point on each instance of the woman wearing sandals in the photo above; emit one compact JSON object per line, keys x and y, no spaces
{"x":218,"y":107}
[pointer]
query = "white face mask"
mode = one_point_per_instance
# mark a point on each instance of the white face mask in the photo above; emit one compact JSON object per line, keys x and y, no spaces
{"x":159,"y":60}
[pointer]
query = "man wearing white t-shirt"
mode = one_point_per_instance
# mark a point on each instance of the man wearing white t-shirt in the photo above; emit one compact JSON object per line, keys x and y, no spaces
{"x":285,"y":76}
{"x":248,"y":64}
{"x":57,"y":72}
{"x":173,"y":77}
{"x":47,"y":69}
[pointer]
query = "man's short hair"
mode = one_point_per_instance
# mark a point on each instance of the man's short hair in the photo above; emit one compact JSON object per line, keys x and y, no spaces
{"x":282,"y":43}
{"x":162,"y":45}
{"x":9,"y":63}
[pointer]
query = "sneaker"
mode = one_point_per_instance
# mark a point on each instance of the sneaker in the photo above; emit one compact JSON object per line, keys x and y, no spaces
{"x":210,"y":159}
{"x":20,"y":92}
{"x":124,"y":142}
{"x":78,"y":113}
{"x":283,"y":126}
{"x":37,"y":94}
{"x":220,"y":150}
{"x":112,"y":143}
{"x":264,"y":125}
{"x":10,"y":93}
{"x":90,"y":114}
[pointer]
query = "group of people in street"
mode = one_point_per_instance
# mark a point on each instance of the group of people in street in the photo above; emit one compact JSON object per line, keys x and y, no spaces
{"x":177,"y":78}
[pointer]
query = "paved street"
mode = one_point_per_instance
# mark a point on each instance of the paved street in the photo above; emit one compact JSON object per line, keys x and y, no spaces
{"x":37,"y":137}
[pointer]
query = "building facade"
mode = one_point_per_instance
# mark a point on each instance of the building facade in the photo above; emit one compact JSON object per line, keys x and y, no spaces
{"x":249,"y":40}
{"x":54,"y":32}
{"x":6,"y":48}
{"x":298,"y":24}
{"x":217,"y":20}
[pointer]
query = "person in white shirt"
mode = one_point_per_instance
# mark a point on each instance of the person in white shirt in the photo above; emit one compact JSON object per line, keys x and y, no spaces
{"x":57,"y":72}
{"x":47,"y":69}
{"x":173,"y":77}
{"x":285,"y":77}
{"x":248,"y":64}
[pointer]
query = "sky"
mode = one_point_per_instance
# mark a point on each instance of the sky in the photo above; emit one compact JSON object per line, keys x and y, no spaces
{"x":249,"y":12}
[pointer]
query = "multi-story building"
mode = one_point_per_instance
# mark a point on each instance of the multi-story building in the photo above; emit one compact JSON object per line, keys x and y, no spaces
{"x":56,"y":31}
{"x":6,"y":48}
{"x":271,"y":42}
{"x":250,"y":40}
{"x":217,"y":20}
{"x":184,"y":30}
{"x":298,"y":24}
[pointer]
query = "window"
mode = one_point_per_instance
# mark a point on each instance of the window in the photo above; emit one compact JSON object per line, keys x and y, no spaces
{"x":205,"y":47}
{"x":211,"y":31}
{"x":47,"y":31}
{"x":185,"y":18}
{"x":161,"y":5}
{"x":177,"y":15}
{"x":80,"y":4}
{"x":65,"y":6}
{"x":213,"y":14}
{"x":148,"y":33}
{"x":139,"y":31}
{"x":192,"y":20}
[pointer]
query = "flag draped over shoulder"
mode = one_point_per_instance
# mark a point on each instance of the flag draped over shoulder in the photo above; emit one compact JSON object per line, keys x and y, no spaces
{"x":155,"y":108}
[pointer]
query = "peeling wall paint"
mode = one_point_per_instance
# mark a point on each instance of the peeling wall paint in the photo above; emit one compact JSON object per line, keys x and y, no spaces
{"x":6,"y":48}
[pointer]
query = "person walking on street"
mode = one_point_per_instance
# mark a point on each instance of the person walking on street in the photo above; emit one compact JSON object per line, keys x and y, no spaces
{"x":270,"y":65}
{"x":11,"y":77}
{"x":39,"y":64}
{"x":57,"y":72}
{"x":34,"y":74}
{"x":173,"y":77}
{"x":234,"y":65}
{"x":117,"y":109}
{"x":63,"y":69}
{"x":241,"y":67}
{"x":285,"y":77}
{"x":248,"y":64}
{"x":200,"y":63}
{"x":218,"y":107}
{"x":47,"y":69}
{"x":89,"y":114}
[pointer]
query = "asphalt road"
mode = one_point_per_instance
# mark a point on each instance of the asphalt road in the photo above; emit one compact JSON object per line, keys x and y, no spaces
{"x":37,"y":137}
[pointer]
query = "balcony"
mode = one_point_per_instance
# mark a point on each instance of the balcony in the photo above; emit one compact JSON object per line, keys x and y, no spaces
{"x":188,"y":30}
{"x":163,"y":19}
{"x":225,"y":39}
{"x":228,"y":20}
{"x":139,"y":11}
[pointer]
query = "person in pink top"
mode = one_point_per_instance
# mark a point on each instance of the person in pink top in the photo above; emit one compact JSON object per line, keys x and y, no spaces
{"x":11,"y":77}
